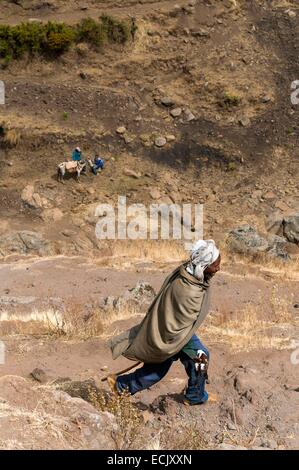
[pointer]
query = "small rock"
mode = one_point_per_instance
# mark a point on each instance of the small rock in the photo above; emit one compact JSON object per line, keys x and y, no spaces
{"x":104,"y":368}
{"x":200,"y":33}
{"x":244,"y":121}
{"x":176,"y":112}
{"x":269,"y":195}
{"x":121,"y":130}
{"x":189,"y":115}
{"x":155,"y":193}
{"x":266,"y":99}
{"x":68,"y":233}
{"x":27,"y":194}
{"x":128,"y":138}
{"x":160,"y":141}
{"x":291,"y":14}
{"x":170,"y":138}
{"x":167,"y":101}
{"x":39,"y":375}
{"x":132,"y":173}
{"x":83,"y":75}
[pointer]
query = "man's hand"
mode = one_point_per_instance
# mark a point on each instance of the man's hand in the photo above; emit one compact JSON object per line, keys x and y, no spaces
{"x":201,"y":363}
{"x":201,"y":358}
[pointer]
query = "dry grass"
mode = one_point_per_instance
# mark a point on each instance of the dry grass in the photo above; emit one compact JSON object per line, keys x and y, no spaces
{"x":73,"y":323}
{"x":41,"y":423}
{"x":148,"y":250}
{"x":263,"y":263}
{"x":128,"y":433}
{"x":249,"y":330}
{"x":36,"y":322}
{"x":185,"y":438}
{"x":77,"y":323}
{"x":111,"y":315}
{"x":12,"y":138}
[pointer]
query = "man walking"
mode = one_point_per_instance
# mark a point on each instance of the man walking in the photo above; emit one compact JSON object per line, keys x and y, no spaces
{"x":167,"y":332}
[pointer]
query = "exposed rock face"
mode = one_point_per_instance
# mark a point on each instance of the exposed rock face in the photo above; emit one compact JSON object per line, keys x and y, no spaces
{"x":284,"y":226}
{"x":139,"y":297}
{"x":247,"y":241}
{"x":37,"y":417}
{"x":24,"y":242}
{"x":33,"y":199}
{"x":291,"y":228}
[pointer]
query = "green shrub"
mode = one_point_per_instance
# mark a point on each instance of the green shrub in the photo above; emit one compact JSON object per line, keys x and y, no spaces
{"x":16,"y":40}
{"x":91,"y":31}
{"x":59,"y":38}
{"x":229,"y":99}
{"x":117,"y":31}
{"x":53,"y":38}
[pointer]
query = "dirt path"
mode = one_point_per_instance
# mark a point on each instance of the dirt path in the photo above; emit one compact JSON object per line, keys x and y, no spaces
{"x":256,"y":390}
{"x":261,"y":388}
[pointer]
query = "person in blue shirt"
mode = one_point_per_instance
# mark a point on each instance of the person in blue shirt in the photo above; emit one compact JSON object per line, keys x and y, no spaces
{"x":77,"y":154}
{"x":98,"y":165}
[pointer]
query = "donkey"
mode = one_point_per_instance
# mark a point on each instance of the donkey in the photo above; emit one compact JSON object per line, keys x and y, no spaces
{"x":70,"y":167}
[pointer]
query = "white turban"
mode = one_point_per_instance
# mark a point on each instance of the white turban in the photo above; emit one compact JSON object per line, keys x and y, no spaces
{"x":203,"y":254}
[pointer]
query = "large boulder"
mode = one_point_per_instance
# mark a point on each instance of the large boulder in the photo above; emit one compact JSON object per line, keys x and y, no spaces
{"x":278,"y":247}
{"x":32,"y":199}
{"x":246,"y":240}
{"x":291,"y":228}
{"x":24,"y":242}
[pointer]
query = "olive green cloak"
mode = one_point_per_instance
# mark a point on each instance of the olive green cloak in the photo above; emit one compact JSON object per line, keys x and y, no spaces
{"x":173,"y":317}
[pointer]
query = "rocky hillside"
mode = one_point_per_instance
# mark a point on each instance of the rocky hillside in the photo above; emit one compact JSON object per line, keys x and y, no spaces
{"x":196,"y":109}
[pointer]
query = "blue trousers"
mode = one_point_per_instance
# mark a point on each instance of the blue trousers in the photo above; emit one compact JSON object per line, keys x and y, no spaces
{"x":150,"y":374}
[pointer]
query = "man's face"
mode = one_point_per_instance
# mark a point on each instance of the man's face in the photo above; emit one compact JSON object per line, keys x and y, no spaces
{"x":211,"y":270}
